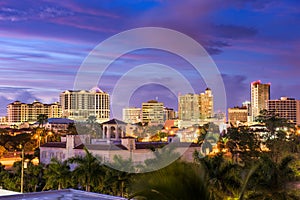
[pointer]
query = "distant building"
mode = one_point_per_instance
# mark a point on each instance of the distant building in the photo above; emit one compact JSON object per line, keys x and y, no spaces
{"x":237,"y":115}
{"x":169,"y":114}
{"x":287,"y":108}
{"x":188,"y":107}
{"x":247,"y":104}
{"x":18,"y":112}
{"x":260,"y":94}
{"x":128,"y":147}
{"x":153,"y":112}
{"x":192,"y":107}
{"x":132,"y":115}
{"x":58,"y":124}
{"x":206,"y":104}
{"x":79,"y":105}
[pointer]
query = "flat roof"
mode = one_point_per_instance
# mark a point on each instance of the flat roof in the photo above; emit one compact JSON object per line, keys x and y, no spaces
{"x":67,"y":194}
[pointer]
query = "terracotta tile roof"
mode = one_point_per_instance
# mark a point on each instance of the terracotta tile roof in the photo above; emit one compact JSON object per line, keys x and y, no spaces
{"x":107,"y":147}
{"x":54,"y":145}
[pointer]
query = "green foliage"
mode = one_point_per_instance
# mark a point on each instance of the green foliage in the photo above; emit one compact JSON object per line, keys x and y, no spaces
{"x":222,"y":176}
{"x":89,"y":170}
{"x":177,"y":181}
{"x":57,"y":175}
{"x":243,"y":144}
{"x":42,"y":119}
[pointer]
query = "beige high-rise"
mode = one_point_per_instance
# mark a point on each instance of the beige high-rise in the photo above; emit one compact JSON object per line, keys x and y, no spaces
{"x":18,"y":112}
{"x":287,"y":108}
{"x":80,"y":104}
{"x":153,"y":112}
{"x":260,"y":94}
{"x":206,"y":104}
{"x":196,"y":106}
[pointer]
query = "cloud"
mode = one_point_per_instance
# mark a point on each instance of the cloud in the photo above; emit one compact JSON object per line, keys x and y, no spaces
{"x":235,"y":31}
{"x":3,"y":103}
{"x":11,"y":94}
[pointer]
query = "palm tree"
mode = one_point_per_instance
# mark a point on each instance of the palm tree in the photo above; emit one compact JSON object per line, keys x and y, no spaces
{"x":42,"y":119}
{"x":89,"y":171}
{"x":178,"y":181}
{"x":222,"y":176}
{"x":57,"y":175}
{"x":118,"y":177}
{"x":270,"y":181}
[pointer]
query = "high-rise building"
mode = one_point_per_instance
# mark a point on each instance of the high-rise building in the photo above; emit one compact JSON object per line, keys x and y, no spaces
{"x":169,"y":113}
{"x":188,"y":107}
{"x":80,"y":104}
{"x":237,"y":115}
{"x":206,"y":104}
{"x":132,"y":115}
{"x":287,"y":108}
{"x":196,"y":106}
{"x":153,"y":112}
{"x":18,"y":112}
{"x":260,"y":94}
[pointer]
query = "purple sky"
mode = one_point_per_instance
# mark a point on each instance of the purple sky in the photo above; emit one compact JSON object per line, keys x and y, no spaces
{"x":43,"y":43}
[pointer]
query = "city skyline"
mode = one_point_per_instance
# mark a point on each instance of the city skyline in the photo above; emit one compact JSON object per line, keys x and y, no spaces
{"x":43,"y":44}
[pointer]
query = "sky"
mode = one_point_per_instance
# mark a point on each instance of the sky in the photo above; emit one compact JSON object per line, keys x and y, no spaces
{"x":43,"y":43}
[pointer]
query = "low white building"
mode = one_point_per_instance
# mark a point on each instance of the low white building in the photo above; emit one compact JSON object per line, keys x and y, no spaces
{"x":126,"y":148}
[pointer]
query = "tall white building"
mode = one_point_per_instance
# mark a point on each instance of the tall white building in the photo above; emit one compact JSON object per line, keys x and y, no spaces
{"x":132,"y":115}
{"x":260,"y":94}
{"x":79,"y":105}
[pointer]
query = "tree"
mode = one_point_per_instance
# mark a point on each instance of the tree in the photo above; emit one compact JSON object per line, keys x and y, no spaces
{"x":270,"y":179}
{"x":89,"y":171}
{"x":57,"y":175}
{"x":42,"y":119}
{"x":72,"y":129}
{"x":178,"y":181}
{"x":222,"y":176}
{"x":243,"y":144}
{"x":117,"y":176}
{"x":277,"y":137}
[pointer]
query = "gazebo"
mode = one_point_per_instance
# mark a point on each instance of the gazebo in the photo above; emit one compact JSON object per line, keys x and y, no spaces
{"x":113,"y":129}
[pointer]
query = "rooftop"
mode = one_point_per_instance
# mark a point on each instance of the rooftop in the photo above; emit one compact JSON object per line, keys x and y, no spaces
{"x":114,"y":121}
{"x":55,"y":144}
{"x":60,"y":121}
{"x":66,"y":194}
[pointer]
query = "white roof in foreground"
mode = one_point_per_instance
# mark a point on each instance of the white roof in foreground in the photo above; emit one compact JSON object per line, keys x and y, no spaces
{"x":7,"y":192}
{"x":66,"y":194}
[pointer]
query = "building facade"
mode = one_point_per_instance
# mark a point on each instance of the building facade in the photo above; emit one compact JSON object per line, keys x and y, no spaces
{"x":79,"y":105}
{"x":18,"y":112}
{"x":169,"y":114}
{"x":132,"y":115}
{"x":260,"y":94}
{"x":237,"y":115}
{"x":153,"y":112}
{"x":206,"y":104}
{"x":193,"y":107}
{"x":287,"y":108}
{"x":188,"y":107}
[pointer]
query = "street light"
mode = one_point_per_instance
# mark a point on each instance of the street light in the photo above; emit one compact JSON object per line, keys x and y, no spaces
{"x":24,"y":166}
{"x":22,"y":169}
{"x":48,"y":134}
